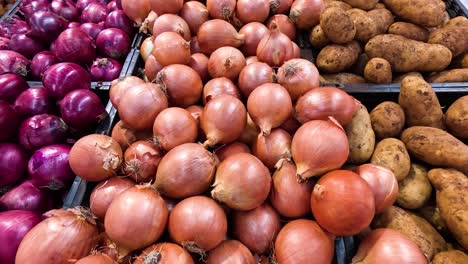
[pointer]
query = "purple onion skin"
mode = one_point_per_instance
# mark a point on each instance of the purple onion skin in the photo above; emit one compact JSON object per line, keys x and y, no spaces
{"x":34,"y":101}
{"x":13,"y":62}
{"x":82,"y":4}
{"x":13,"y":26}
{"x":105,"y":70}
{"x":112,"y":6}
{"x":4,"y":43}
{"x":46,"y":26}
{"x":14,"y":225}
{"x":42,"y":130}
{"x":74,"y":45}
{"x":113,"y":43}
{"x":11,"y":86}
{"x":27,"y":9}
{"x":49,"y":167}
{"x":92,"y":29}
{"x":13,"y":164}
{"x":94,"y":13}
{"x":28,"y":46}
{"x":41,"y":61}
{"x":118,"y":19}
{"x":27,"y":197}
{"x":82,"y":109}
{"x":62,"y":78}
{"x":9,"y":121}
{"x":74,"y":25}
{"x":65,"y":8}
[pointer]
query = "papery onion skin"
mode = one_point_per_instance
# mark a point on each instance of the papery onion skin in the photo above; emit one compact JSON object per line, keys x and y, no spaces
{"x":105,"y":69}
{"x":198,"y":224}
{"x":136,"y":10}
{"x":174,"y":126}
{"x":141,"y":160}
{"x":194,"y":45}
{"x":242,"y":182}
{"x":275,"y":48}
{"x":199,"y":62}
{"x":148,"y":24}
{"x":96,"y":259}
{"x":253,"y":32}
{"x":303,"y":241}
{"x":285,"y":25}
{"x":195,"y":14}
{"x":291,"y":125}
{"x":171,"y":23}
{"x":253,"y":75}
{"x":118,"y":19}
{"x":41,"y":61}
{"x":147,"y":47}
{"x":120,"y":86}
{"x":185,"y":171}
{"x":42,"y":130}
{"x":257,"y":228}
{"x":250,"y":132}
{"x":166,"y":7}
{"x":82,"y":109}
{"x":13,"y":164}
{"x":46,"y":26}
{"x":66,"y":9}
{"x":221,"y":9}
{"x":164,"y":253}
{"x":228,"y":150}
{"x":13,"y":25}
{"x":11,"y":86}
{"x":273,"y":148}
{"x":152,"y":68}
{"x":126,"y":136}
{"x":25,"y":45}
{"x":251,"y":59}
{"x":231,"y":250}
{"x":226,"y":62}
{"x":219,"y":86}
{"x":306,"y":13}
{"x":171,"y":48}
{"x":328,"y":151}
{"x":25,"y":196}
{"x":94,"y":13}
{"x":217,"y":33}
{"x":34,"y":101}
{"x":298,"y":76}
{"x":195,"y":111}
{"x":288,"y":196}
{"x":13,"y":62}
{"x":74,"y":45}
{"x":253,"y":10}
{"x":280,"y":6}
{"x":113,"y":43}
{"x":92,"y":29}
{"x":105,"y":192}
{"x":62,"y":78}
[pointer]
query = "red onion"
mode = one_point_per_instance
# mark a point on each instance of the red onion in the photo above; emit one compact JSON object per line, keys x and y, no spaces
{"x":74,"y":25}
{"x":8,"y":121}
{"x":62,"y":78}
{"x":105,"y":192}
{"x":92,"y":29}
{"x":275,"y":48}
{"x":46,"y":26}
{"x":171,"y":23}
{"x":105,"y":69}
{"x":94,"y":13}
{"x":11,"y":86}
{"x":4,"y":43}
{"x":74,"y":45}
{"x":12,"y":26}
{"x":13,"y":62}
{"x":82,"y":109}
{"x":199,"y":62}
{"x":280,"y":6}
{"x":166,"y":7}
{"x":219,"y":86}
{"x":34,"y":101}
{"x":306,"y":13}
{"x":254,"y":75}
{"x":285,"y":25}
{"x":221,"y":9}
{"x":25,"y":45}
{"x":112,"y":6}
{"x":252,"y":10}
{"x":42,"y":130}
{"x":25,"y":196}
{"x":142,"y":160}
{"x":113,"y":43}
{"x":27,"y":8}
{"x":13,"y":164}
{"x":65,"y":9}
{"x":118,"y":19}
{"x":253,"y":32}
{"x":82,"y":4}
{"x":273,"y":148}
{"x":298,"y":76}
{"x":41,"y":61}
{"x":195,"y":14}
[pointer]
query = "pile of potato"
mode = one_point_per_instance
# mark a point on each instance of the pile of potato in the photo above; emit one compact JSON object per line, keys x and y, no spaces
{"x":381,"y":42}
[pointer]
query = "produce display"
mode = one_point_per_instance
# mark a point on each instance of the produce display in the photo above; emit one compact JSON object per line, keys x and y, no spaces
{"x":225,"y":141}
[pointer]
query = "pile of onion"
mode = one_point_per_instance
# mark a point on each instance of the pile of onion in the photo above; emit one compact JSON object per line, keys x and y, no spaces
{"x":233,"y":250}
{"x":141,"y":160}
{"x":164,"y":253}
{"x":105,"y":192}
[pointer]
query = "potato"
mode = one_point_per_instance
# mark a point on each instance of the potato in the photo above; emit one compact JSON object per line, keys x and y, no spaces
{"x":401,"y":77}
{"x":338,"y":4}
{"x":436,"y":147}
{"x":360,"y":64}
{"x":455,"y":75}
{"x":452,"y":200}
{"x":383,"y":18}
{"x":460,"y":61}
{"x":378,"y":71}
{"x":415,"y":190}
{"x":337,"y":25}
{"x":391,"y":153}
{"x":417,"y":229}
{"x":457,"y":118}
{"x":450,"y":257}
{"x":361,"y":137}
{"x":406,"y":55}
{"x":409,"y":30}
{"x":362,"y":4}
{"x":379,"y":6}
{"x":457,"y":21}
{"x":317,"y":37}
{"x":336,"y":58}
{"x":388,"y":119}
{"x":432,"y":215}
{"x":425,"y":13}
{"x":453,"y":37}
{"x":366,"y":27}
{"x":420,"y":103}
{"x":342,"y":77}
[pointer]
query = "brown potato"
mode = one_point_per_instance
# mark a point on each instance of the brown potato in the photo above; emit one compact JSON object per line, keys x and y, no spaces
{"x":361,"y":137}
{"x":415,"y":190}
{"x":460,"y":61}
{"x":337,"y":25}
{"x":420,"y":103}
{"x":391,"y":153}
{"x":388,"y":120}
{"x":409,"y":30}
{"x":401,"y":77}
{"x":383,"y":18}
{"x":342,"y":77}
{"x":317,"y":37}
{"x":455,"y":75}
{"x":450,"y":257}
{"x":335,"y":58}
{"x":426,"y":13}
{"x":457,"y":118}
{"x":432,"y":215}
{"x":362,"y":4}
{"x":436,"y":147}
{"x":339,"y":4}
{"x":366,"y":27}
{"x":453,"y":37}
{"x":378,"y":71}
{"x":457,"y":21}
{"x":360,"y":64}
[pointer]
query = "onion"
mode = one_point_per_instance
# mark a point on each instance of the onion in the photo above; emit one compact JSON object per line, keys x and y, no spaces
{"x":13,"y":62}
{"x":112,"y":6}
{"x":11,"y":86}
{"x":4,"y":43}
{"x":285,"y":25}
{"x":65,"y":235}
{"x":257,"y":228}
{"x":136,"y":10}
{"x":303,"y":241}
{"x":388,"y":245}
{"x":147,"y":47}
{"x":147,"y":217}
{"x":280,"y":6}
{"x":118,"y":19}
{"x":25,"y":45}
{"x":275,"y":48}
{"x":187,"y":170}
{"x":105,"y":69}
{"x":73,"y":25}
{"x":250,"y":132}
{"x":113,"y":43}
{"x":217,"y":33}
{"x":253,"y":75}
{"x":152,"y":68}
{"x":148,"y":24}
{"x":198,"y":224}
{"x":165,"y":7}
{"x":95,"y":157}
{"x":82,"y":109}
{"x":14,"y":225}
{"x":195,"y":14}
{"x":12,"y":26}
{"x":126,"y":136}
{"x":92,"y":29}
{"x":94,"y":13}
{"x":62,"y":78}
{"x":97,"y":259}
{"x":223,"y":120}
{"x":253,"y":32}
{"x":13,"y":164}
{"x":221,"y":9}
{"x":232,"y":149}
{"x":253,"y":10}
{"x":141,"y":161}
{"x":25,"y":196}
{"x":231,"y":250}
{"x":296,"y":51}
{"x":174,"y":126}
{"x":105,"y":192}
{"x":306,"y":13}
{"x":42,"y":130}
{"x":199,"y":62}
{"x":171,"y":23}
{"x":41,"y":61}
{"x":242,"y":182}
{"x":8,"y":121}
{"x":194,"y":45}
{"x":324,"y":102}
{"x":298,"y":76}
{"x":27,"y":8}
{"x":383,"y":183}
{"x":226,"y":62}
{"x":182,"y":84}
{"x":171,"y":48}
{"x":328,"y":151}
{"x":269,"y":105}
{"x":289,"y":197}
{"x":46,"y":26}
{"x":139,"y":106}
{"x":82,"y":4}
{"x":273,"y":148}
{"x":291,"y":125}
{"x":120,"y":86}
{"x":164,"y":253}
{"x":219,"y":86}
{"x":65,"y":9}
{"x":74,"y":45}
{"x":195,"y":111}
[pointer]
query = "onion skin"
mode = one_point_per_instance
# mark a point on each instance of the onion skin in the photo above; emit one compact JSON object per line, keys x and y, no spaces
{"x":253,"y":32}
{"x":226,"y":62}
{"x":232,"y":149}
{"x":166,"y":7}
{"x":232,"y":251}
{"x":62,"y":78}
{"x":147,"y":47}
{"x":147,"y":217}
{"x":126,"y":136}
{"x":171,"y":23}
{"x":11,"y":86}
{"x":291,"y":125}
{"x":42,"y":130}
{"x":327,"y":152}
{"x":195,"y":14}
{"x":13,"y":62}
{"x":252,"y":10}
{"x":174,"y":126}
{"x":269,"y":105}
{"x":275,"y":48}
{"x":164,"y":253}
{"x":251,"y":59}
{"x":253,"y":75}
{"x":136,"y":10}
{"x":288,"y":196}
{"x":285,"y":25}
{"x":242,"y":182}
{"x":257,"y":229}
{"x":303,"y":241}
{"x":148,"y":23}
{"x":221,"y":9}
{"x":250,"y":132}
{"x":82,"y":109}
{"x":25,"y":196}
{"x":306,"y":13}
{"x":217,"y":33}
{"x":383,"y":183}
{"x":74,"y":45}
{"x":199,"y":62}
{"x":280,"y":6}
{"x":298,"y":76}
{"x":141,"y":161}
{"x":96,"y":259}
{"x":152,"y":68}
{"x":343,"y":203}
{"x":120,"y":86}
{"x":105,"y":192}
{"x":185,"y":171}
{"x":219,"y":86}
{"x":13,"y":164}
{"x":273,"y":148}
